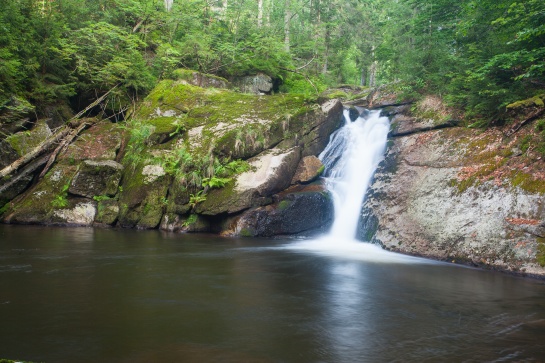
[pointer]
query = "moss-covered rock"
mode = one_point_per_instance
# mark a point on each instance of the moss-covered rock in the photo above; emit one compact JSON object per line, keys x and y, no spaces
{"x":107,"y":212}
{"x":24,"y":141}
{"x":100,"y":142}
{"x":39,"y":203}
{"x":272,"y":172}
{"x":96,"y":178}
{"x":143,"y":198}
{"x":258,"y":84}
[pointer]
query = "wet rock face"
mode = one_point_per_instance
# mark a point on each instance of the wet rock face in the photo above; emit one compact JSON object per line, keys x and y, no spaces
{"x":451,"y":194}
{"x":309,"y":169}
{"x":298,"y":209}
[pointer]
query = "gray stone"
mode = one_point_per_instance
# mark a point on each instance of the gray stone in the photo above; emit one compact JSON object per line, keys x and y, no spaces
{"x":299,"y":209}
{"x":97,"y":178}
{"x":259,"y":84}
{"x":272,"y":172}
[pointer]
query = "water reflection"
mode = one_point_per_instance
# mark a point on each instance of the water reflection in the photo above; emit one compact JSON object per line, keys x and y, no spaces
{"x":129,"y":296}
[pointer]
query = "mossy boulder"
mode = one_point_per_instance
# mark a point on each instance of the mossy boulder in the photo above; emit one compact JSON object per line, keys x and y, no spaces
{"x":236,"y":125}
{"x":200,"y":79}
{"x":296,"y":210}
{"x":143,"y":198}
{"x":272,"y":172}
{"x":96,"y":178}
{"x":100,"y":142}
{"x":258,"y":84}
{"x":24,"y":141}
{"x":107,"y":212}
{"x":39,"y":203}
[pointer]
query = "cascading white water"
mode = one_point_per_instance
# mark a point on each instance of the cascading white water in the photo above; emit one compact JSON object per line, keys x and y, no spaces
{"x":350,"y":159}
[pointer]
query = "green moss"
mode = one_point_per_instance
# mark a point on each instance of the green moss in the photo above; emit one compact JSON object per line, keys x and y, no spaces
{"x":463,"y":185}
{"x":188,"y":75}
{"x":529,"y":102}
{"x":320,"y":170}
{"x":540,"y":255}
{"x":526,"y":182}
{"x":24,"y":141}
{"x":285,"y":204}
{"x":245,"y":232}
{"x":164,"y":124}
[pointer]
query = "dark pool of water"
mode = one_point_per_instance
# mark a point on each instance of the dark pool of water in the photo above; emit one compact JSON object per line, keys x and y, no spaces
{"x":85,"y":295}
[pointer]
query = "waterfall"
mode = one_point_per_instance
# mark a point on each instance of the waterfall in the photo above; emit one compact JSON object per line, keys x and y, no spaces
{"x":350,"y":159}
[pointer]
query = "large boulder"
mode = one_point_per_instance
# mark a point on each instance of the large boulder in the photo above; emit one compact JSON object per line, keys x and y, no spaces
{"x":96,"y":178}
{"x":143,"y":198}
{"x":24,"y":141}
{"x":39,"y":203}
{"x":465,"y":196}
{"x":200,"y":79}
{"x":271,"y":173}
{"x":258,"y":84}
{"x":296,"y":210}
{"x":100,"y":142}
{"x":309,"y":169}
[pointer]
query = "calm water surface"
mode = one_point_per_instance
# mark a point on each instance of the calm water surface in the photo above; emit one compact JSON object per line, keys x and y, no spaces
{"x":85,"y":295}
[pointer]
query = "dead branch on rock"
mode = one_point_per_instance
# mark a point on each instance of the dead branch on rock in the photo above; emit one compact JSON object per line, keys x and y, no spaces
{"x":522,"y":123}
{"x":73,"y":125}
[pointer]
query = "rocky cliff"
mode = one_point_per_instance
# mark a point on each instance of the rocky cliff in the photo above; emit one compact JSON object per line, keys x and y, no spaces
{"x":458,"y":194}
{"x":195,"y":156}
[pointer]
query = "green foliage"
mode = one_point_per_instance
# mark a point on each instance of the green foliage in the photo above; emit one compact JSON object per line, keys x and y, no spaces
{"x":215,"y":182}
{"x":60,"y":200}
{"x":196,"y":198}
{"x":100,"y":198}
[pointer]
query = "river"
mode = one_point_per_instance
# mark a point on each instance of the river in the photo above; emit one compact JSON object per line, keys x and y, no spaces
{"x":97,"y":295}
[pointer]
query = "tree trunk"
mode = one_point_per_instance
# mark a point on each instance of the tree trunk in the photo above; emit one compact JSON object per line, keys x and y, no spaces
{"x":168,"y":4}
{"x":287,"y":18}
{"x":373,"y":74}
{"x":259,"y":13}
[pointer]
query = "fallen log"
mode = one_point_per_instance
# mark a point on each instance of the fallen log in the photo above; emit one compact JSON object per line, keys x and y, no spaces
{"x":48,"y":144}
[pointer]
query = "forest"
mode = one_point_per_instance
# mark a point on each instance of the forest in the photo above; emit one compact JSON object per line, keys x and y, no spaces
{"x":477,"y":56}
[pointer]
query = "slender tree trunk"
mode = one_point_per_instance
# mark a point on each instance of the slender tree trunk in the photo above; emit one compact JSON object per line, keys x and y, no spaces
{"x":287,"y":18}
{"x":268,"y":15}
{"x":168,"y":4}
{"x":259,"y":13}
